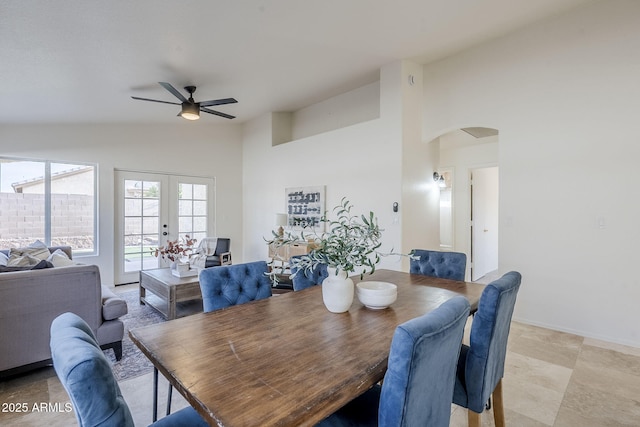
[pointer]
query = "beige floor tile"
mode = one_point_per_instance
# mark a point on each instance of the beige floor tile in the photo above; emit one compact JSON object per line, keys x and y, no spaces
{"x":41,"y":398}
{"x":604,"y":358}
{"x":531,"y":400}
{"x":459,"y":419}
{"x":522,"y":371}
{"x":43,"y":387}
{"x":587,"y":406}
{"x":551,"y":346}
{"x":632,"y":351}
{"x":532,"y":390}
{"x":607,"y":379}
{"x":513,"y":418}
{"x":570,"y":418}
{"x":138,"y":393}
{"x":545,"y":335}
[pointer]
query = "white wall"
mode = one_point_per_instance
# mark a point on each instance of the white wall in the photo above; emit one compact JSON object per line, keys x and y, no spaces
{"x":187,"y":149}
{"x":420,"y":194}
{"x":357,"y":106}
{"x":361,"y":162}
{"x":564,"y":96}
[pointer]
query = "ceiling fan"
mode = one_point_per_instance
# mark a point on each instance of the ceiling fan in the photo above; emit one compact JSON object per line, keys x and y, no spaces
{"x":190,"y":108}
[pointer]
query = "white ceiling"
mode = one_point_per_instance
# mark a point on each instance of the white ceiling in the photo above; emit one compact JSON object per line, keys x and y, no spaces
{"x":80,"y":61}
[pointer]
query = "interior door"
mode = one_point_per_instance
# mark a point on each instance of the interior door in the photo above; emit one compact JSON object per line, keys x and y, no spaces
{"x":484,"y":220}
{"x":152,"y":209}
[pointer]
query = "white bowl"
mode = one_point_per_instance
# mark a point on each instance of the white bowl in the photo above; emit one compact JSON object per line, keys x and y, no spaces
{"x":376,"y":295}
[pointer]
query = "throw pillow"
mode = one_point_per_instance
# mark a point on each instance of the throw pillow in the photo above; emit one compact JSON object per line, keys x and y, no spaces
{"x":59,"y":258}
{"x":17,"y":259}
{"x":3,"y":259}
{"x":37,"y":250}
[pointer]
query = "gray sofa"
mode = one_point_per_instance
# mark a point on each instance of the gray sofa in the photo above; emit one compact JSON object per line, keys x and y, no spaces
{"x":30,"y":300}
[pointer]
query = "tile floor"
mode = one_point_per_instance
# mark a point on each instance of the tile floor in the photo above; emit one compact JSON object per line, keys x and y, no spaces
{"x":551,"y":379}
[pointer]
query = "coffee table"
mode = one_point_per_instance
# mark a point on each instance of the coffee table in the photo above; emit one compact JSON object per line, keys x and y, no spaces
{"x":168,"y":290}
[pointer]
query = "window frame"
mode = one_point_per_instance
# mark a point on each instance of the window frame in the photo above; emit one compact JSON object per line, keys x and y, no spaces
{"x":47,"y":176}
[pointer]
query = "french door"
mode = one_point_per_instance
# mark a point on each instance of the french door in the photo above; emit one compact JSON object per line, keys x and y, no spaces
{"x":152,"y":209}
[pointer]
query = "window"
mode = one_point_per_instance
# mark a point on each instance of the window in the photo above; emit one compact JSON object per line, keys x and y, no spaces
{"x":54,"y":202}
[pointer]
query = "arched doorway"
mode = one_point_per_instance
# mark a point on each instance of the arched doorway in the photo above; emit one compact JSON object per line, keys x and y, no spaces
{"x":464,"y":153}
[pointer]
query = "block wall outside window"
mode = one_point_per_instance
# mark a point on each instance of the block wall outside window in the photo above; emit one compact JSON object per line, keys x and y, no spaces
{"x":49,"y":201}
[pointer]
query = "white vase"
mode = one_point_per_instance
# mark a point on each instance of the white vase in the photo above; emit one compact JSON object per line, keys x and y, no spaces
{"x":164,"y":262}
{"x":337,"y":291}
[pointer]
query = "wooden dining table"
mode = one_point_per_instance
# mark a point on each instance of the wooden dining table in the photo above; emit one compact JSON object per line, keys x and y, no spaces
{"x":287,"y":360}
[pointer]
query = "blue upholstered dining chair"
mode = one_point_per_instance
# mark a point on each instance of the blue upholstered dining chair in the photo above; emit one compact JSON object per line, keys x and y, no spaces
{"x":481,"y":365}
{"x":444,"y":265}
{"x":86,"y":375}
{"x":306,"y":278}
{"x":421,"y":371}
{"x":229,"y":285}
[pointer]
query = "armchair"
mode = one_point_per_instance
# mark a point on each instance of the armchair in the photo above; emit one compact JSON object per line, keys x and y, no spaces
{"x":213,"y":252}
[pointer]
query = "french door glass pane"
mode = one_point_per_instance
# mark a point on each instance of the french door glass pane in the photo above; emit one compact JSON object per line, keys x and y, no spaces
{"x":192,"y":210}
{"x":141,"y":224}
{"x":185,"y":207}
{"x":200,"y":208}
{"x":199,"y":192}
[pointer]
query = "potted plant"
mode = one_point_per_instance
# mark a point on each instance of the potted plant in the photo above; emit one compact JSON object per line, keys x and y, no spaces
{"x":349,"y":245}
{"x":175,"y":250}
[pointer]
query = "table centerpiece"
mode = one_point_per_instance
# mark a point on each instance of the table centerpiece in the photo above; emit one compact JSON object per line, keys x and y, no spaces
{"x":350,"y":245}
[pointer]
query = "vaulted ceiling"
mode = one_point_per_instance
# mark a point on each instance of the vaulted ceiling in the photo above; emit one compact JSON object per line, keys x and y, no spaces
{"x":80,"y":61}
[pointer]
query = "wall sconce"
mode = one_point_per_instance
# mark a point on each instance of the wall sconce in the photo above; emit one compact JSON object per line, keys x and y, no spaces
{"x":439,"y":179}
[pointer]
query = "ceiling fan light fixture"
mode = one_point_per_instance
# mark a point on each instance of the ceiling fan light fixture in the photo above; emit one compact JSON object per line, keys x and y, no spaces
{"x":190,"y":111}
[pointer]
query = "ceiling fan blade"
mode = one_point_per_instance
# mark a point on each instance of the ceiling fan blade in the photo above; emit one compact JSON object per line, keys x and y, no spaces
{"x":174,"y":91}
{"x":155,"y":100}
{"x":218,"y":102}
{"x":217,"y":113}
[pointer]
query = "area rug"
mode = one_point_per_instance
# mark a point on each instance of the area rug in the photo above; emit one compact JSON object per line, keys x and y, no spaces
{"x":133,"y":362}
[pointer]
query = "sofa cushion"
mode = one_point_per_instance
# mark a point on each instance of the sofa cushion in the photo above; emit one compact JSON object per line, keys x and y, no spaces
{"x":112,"y":305}
{"x":36,"y":249}
{"x":40,"y":265}
{"x":59,"y":259}
{"x":18,"y":259}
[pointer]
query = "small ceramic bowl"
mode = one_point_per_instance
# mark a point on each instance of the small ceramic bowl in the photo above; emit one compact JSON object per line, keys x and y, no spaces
{"x":376,"y":295}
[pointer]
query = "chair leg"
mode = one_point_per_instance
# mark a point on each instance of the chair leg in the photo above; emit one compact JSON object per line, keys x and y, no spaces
{"x":474,"y":418}
{"x":498,"y":406}
{"x":117,"y":349}
{"x":155,"y":395}
{"x":169,"y":393}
